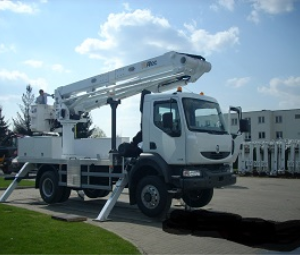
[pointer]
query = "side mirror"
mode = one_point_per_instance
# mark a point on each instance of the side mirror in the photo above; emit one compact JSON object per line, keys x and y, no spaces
{"x":244,"y":125}
{"x":143,"y":94}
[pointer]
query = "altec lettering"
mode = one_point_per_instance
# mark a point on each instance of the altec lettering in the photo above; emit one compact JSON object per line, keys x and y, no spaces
{"x":149,"y":63}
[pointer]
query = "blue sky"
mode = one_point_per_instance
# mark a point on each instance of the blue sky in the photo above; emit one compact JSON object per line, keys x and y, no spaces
{"x":253,"y":46}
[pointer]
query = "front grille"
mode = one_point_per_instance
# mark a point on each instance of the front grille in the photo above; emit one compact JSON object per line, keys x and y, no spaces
{"x":214,"y":155}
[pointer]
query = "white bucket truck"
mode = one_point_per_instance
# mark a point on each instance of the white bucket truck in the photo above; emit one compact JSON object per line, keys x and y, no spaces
{"x":186,"y":150}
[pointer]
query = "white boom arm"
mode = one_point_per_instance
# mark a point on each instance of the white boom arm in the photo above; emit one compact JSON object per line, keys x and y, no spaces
{"x":156,"y":75}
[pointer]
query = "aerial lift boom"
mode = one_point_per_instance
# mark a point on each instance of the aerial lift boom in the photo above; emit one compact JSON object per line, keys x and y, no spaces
{"x":156,"y":75}
{"x":159,"y":74}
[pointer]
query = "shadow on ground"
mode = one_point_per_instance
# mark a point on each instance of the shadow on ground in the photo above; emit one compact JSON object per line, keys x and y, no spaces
{"x":253,"y":232}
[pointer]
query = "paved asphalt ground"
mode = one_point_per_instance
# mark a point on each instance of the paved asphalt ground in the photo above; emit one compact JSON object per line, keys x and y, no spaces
{"x":267,"y":198}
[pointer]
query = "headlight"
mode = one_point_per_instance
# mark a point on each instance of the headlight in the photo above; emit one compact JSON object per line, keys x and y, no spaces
{"x":191,"y":173}
{"x":228,"y":168}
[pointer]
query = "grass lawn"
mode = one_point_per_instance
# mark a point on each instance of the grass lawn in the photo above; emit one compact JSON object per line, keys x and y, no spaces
{"x":26,"y":232}
{"x":23,"y":183}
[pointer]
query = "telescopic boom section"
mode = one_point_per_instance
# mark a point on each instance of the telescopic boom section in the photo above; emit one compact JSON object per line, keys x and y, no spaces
{"x":156,"y":75}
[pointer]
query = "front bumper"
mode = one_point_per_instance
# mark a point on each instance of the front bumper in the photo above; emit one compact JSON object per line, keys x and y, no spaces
{"x":209,"y":180}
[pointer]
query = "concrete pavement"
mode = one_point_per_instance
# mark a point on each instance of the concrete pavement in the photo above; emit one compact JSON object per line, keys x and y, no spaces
{"x":267,"y":198}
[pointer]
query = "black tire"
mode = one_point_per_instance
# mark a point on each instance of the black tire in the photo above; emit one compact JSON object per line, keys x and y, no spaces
{"x":6,"y":169}
{"x":198,"y":198}
{"x":103,"y":193}
{"x":65,"y":195}
{"x":50,"y":191}
{"x":94,"y":193}
{"x":152,"y":196}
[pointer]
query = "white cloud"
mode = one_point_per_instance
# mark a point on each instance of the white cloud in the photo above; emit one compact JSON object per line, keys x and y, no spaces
{"x":127,"y":7}
{"x":9,"y":98}
{"x":272,"y":7}
{"x":130,"y":36}
{"x":203,"y":41}
{"x":238,"y":82}
{"x":254,"y":17}
{"x":8,"y":78}
{"x":7,"y":48}
{"x":227,"y":4}
{"x":38,"y":64}
{"x":214,"y":7}
{"x":287,"y":90}
{"x":91,"y":46}
{"x":18,"y":7}
{"x":12,"y":76}
{"x":59,"y":68}
{"x":34,"y":63}
{"x":13,"y":85}
{"x":130,"y":29}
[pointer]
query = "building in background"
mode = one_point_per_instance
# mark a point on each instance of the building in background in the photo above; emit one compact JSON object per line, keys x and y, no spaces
{"x":269,"y":125}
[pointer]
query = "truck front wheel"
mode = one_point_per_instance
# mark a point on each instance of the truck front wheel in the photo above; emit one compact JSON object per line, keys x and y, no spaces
{"x":152,"y":196}
{"x":50,"y":191}
{"x":198,"y":198}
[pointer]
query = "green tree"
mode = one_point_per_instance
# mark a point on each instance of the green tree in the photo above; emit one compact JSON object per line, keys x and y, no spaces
{"x":22,"y":122}
{"x":98,"y":132}
{"x":84,"y":130}
{"x":3,"y":127}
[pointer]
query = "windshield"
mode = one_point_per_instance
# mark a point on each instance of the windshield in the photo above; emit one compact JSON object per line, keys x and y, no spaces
{"x":203,"y":116}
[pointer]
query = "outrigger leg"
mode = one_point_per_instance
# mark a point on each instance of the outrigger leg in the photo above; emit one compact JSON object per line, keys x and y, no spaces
{"x":110,"y":203}
{"x":18,"y":177}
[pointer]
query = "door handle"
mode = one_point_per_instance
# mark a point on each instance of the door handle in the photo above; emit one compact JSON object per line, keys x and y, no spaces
{"x":153,"y":146}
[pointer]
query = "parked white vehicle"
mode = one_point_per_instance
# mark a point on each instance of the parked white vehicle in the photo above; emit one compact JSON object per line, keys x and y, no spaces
{"x":186,"y":151}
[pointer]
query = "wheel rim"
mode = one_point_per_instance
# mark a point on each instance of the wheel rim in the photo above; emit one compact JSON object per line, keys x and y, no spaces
{"x":150,"y":196}
{"x":48,"y":187}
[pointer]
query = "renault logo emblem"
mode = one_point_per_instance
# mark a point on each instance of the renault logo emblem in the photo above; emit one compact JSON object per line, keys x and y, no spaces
{"x":217,"y":149}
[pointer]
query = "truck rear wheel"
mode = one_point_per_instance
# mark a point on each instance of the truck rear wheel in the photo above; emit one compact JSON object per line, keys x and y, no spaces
{"x":65,"y":195}
{"x":50,"y":191}
{"x":198,"y":198}
{"x":94,"y":193}
{"x":152,"y":196}
{"x":5,"y":170}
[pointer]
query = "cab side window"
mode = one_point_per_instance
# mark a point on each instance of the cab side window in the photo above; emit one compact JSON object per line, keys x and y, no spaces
{"x":166,"y":117}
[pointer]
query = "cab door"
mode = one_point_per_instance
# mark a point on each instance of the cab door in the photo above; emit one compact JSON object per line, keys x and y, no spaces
{"x":166,"y":136}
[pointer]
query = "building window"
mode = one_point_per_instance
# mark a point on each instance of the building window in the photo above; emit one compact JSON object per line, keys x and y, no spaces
{"x":261,"y":119}
{"x":249,"y":123}
{"x":278,"y":119}
{"x":279,"y":134}
{"x":261,"y":135}
{"x":234,"y":122}
{"x":247,"y":137}
{"x":297,"y":116}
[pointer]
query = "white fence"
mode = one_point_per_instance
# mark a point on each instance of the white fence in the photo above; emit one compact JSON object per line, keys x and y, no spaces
{"x":273,"y":158}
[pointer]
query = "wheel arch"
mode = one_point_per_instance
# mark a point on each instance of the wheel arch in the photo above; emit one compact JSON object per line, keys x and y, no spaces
{"x":147,"y":164}
{"x":42,"y":169}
